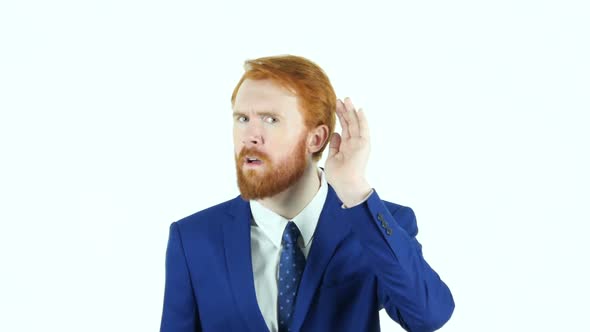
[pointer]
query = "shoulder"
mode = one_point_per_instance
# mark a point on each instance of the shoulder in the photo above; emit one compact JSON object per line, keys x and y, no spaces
{"x":211,"y":216}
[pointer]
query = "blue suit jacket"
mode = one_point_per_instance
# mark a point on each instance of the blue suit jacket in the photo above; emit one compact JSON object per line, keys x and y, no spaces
{"x":362,"y":259}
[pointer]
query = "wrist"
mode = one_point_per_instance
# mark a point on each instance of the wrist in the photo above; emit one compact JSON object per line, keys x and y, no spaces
{"x":353,"y":193}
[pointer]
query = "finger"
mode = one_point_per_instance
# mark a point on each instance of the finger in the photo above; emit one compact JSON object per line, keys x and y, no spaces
{"x":340,"y":110}
{"x":351,"y":118}
{"x":334,"y":144}
{"x":363,"y":124}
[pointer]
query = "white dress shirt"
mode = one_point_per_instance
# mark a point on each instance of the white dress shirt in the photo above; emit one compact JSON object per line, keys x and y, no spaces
{"x":266,"y":232}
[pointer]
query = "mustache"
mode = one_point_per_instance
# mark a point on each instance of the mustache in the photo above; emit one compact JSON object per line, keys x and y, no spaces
{"x":252,"y":153}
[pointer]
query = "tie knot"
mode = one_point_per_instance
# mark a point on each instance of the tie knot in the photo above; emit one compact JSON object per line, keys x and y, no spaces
{"x":291,"y":233}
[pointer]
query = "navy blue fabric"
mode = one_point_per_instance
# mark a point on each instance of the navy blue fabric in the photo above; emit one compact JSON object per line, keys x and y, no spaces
{"x":291,"y":267}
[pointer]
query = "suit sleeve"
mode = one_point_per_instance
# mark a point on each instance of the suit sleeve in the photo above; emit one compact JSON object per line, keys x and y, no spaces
{"x":411,"y":292}
{"x":180,"y":313}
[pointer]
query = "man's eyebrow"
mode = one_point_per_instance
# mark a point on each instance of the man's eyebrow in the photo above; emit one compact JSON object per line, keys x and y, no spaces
{"x":262,"y":113}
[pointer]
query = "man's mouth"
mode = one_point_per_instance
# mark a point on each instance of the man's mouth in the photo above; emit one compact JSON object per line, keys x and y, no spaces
{"x":253,"y":161}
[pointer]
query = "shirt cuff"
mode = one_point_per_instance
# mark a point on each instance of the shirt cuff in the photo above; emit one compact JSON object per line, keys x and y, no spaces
{"x":361,"y":202}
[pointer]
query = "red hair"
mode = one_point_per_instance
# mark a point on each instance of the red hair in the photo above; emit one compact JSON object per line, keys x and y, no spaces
{"x":306,"y":79}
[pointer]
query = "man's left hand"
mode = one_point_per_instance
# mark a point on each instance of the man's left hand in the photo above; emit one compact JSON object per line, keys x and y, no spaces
{"x":349,"y":154}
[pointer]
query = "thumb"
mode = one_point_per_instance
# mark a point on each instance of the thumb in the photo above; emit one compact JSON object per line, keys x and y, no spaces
{"x":334,"y":144}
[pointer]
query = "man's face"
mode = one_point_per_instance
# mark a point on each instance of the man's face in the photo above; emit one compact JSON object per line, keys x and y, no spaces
{"x":269,"y":139}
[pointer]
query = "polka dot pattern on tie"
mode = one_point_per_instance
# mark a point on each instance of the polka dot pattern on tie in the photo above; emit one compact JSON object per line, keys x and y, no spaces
{"x":291,"y":267}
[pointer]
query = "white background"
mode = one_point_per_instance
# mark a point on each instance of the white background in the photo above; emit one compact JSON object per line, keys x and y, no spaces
{"x":115,"y":121}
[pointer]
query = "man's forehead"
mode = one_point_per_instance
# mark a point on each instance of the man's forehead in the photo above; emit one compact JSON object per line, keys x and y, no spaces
{"x":265,"y":106}
{"x":268,"y":94}
{"x":264,"y":97}
{"x":255,"y":109}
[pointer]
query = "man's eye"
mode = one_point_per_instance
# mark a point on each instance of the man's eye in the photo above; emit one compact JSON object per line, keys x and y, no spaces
{"x":242,"y":118}
{"x":270,"y":119}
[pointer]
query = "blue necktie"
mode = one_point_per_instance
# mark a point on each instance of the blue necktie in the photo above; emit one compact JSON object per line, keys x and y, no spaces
{"x":291,"y":268}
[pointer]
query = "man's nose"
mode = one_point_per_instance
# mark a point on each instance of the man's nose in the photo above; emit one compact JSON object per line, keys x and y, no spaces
{"x":253,"y":137}
{"x":252,"y":141}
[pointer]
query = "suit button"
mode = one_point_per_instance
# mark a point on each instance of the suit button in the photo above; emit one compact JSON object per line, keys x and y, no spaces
{"x":384,"y":224}
{"x":389,"y":231}
{"x":380,"y":216}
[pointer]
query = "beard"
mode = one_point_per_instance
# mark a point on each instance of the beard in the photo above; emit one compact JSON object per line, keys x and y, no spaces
{"x":271,"y":178}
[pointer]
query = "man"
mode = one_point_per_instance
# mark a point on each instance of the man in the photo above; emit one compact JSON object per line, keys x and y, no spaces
{"x":302,"y":248}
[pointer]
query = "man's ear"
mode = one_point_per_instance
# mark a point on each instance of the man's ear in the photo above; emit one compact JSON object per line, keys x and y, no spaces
{"x":317,"y":138}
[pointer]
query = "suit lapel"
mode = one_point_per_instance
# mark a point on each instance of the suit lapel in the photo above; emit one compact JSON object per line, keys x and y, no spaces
{"x":239,"y":264}
{"x":330,"y":231}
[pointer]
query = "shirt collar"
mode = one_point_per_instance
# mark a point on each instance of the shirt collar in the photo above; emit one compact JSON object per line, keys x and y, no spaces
{"x":273,"y":224}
